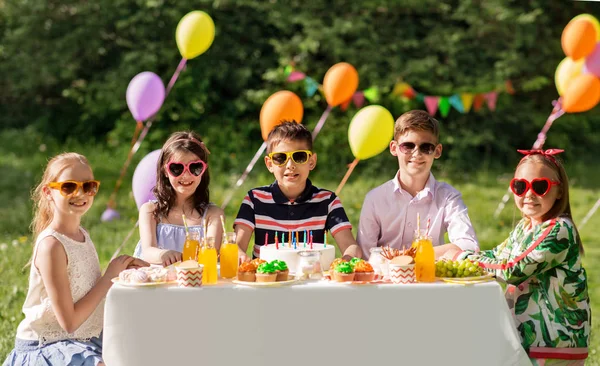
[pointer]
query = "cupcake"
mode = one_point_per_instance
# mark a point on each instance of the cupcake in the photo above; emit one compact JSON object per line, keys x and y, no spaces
{"x":247,"y":272}
{"x":363,"y":271}
{"x":266,"y":273}
{"x":282,"y":270}
{"x":343,"y":273}
{"x":335,"y":263}
{"x":257,"y":262}
{"x":354,"y":261}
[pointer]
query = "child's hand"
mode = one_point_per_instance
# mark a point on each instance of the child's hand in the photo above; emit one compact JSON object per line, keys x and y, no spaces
{"x":117,"y":265}
{"x":137,"y":263}
{"x":243,"y":257}
{"x":169,"y":257}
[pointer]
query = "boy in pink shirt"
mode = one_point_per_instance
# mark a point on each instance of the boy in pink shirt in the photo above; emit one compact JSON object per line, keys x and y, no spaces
{"x":389,"y":212}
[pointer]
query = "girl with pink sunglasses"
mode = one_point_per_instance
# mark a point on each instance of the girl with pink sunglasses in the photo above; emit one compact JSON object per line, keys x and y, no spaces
{"x":181,"y":189}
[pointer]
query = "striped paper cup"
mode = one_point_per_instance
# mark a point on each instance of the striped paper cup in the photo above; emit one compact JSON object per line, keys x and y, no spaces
{"x":190,"y":277}
{"x":402,"y":273}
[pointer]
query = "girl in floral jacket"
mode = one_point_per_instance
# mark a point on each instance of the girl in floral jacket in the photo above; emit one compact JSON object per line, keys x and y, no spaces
{"x":541,"y":262}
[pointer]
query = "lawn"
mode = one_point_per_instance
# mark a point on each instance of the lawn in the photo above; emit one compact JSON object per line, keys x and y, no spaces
{"x":22,"y":158}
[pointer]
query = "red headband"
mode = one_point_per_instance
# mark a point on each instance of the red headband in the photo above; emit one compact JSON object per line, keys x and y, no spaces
{"x":546,"y":153}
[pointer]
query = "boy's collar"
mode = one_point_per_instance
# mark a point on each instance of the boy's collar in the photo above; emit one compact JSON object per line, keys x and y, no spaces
{"x":279,"y":197}
{"x":428,"y":189}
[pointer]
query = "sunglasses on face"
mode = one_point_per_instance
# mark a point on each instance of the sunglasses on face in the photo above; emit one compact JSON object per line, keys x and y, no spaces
{"x":426,"y":148}
{"x":298,"y":157}
{"x":195,"y":168}
{"x":71,"y":187}
{"x":539,"y":186}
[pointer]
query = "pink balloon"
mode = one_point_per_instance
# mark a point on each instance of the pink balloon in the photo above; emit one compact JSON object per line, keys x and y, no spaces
{"x":592,"y":61}
{"x":145,"y":95}
{"x":144,"y":178}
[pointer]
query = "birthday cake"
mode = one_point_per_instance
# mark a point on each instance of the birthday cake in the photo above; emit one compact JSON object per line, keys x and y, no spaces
{"x":290,"y":255}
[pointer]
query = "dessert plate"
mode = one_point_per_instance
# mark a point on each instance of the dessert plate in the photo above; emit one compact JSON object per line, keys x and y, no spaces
{"x":265,"y":284}
{"x":474,"y":279}
{"x":143,"y":284}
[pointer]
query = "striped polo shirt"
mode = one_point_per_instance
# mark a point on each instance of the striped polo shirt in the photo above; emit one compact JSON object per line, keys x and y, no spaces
{"x":266,"y":210}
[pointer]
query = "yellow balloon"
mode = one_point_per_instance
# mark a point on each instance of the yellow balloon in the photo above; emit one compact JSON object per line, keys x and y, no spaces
{"x":195,"y":33}
{"x":370,"y":131}
{"x":593,"y":20}
{"x":566,"y":71}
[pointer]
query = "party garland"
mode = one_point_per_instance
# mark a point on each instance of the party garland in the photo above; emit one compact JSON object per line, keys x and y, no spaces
{"x":462,"y":102}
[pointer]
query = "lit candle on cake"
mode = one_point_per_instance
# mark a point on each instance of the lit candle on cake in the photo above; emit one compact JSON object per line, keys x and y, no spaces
{"x":311,"y":240}
{"x":266,"y":238}
{"x":325,"y":240}
{"x":297,"y":241}
{"x":276,"y":240}
{"x":290,"y":238}
{"x":304,"y":238}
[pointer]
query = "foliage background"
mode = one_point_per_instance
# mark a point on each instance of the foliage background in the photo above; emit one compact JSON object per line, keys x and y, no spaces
{"x":65,"y":66}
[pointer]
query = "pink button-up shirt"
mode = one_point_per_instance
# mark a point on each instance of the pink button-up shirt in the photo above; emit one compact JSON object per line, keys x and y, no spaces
{"x":389,"y":216}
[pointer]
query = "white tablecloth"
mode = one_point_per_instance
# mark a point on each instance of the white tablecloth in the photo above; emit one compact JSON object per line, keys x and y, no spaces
{"x":311,"y":324}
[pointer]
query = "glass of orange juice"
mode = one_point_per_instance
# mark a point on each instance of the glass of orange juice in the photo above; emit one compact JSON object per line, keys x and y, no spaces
{"x":190,"y":246}
{"x":207,"y":256}
{"x":425,"y":257}
{"x":229,"y":256}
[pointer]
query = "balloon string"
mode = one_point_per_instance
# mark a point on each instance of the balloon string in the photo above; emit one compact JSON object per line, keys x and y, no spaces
{"x":138,"y":139}
{"x":241,"y":180}
{"x":345,"y":179}
{"x":111,"y":200}
{"x":321,"y":122}
{"x":175,"y":76}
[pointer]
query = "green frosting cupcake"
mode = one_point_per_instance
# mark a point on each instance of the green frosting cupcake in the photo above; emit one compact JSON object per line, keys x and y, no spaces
{"x":279,"y":265}
{"x":344,"y":268}
{"x":354,"y":261}
{"x":266,"y":268}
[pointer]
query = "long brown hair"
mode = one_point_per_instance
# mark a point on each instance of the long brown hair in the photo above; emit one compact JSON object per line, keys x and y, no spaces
{"x":180,"y":142}
{"x":562,"y":205}
{"x":42,"y":210}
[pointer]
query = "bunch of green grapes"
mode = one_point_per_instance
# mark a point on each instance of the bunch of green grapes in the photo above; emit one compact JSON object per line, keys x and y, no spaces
{"x":464,"y":268}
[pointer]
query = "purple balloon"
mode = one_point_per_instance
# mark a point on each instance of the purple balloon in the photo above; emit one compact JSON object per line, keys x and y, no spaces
{"x":145,"y":95}
{"x":592,"y":61}
{"x":144,"y":179}
{"x":109,"y":215}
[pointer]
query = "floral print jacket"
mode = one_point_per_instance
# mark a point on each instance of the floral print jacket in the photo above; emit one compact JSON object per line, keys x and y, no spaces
{"x":547,"y":287}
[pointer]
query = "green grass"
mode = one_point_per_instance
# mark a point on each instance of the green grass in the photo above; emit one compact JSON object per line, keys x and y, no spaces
{"x":22,"y":163}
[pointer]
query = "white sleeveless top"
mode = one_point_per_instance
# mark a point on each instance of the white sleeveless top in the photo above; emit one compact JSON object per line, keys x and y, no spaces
{"x":83,"y":270}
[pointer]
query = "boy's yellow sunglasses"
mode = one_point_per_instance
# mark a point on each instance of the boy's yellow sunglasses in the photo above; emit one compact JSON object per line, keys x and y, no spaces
{"x":71,"y":187}
{"x":298,"y":156}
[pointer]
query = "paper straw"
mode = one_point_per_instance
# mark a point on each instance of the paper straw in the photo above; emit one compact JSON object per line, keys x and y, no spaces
{"x":223,"y":224}
{"x":418,"y":223}
{"x":266,"y":238}
{"x":428,"y":225}
{"x":205,"y":227}
{"x":187,"y":230}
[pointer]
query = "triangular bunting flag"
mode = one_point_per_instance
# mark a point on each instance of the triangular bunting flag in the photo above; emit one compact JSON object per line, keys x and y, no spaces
{"x":456,"y":103}
{"x":344,"y":106}
{"x":444,"y":106}
{"x":509,"y":87}
{"x":400,"y":88}
{"x":359,"y":99}
{"x":467,"y":100}
{"x":288,"y":70}
{"x":372,"y":94}
{"x":491,"y":99}
{"x":410,"y":93}
{"x":311,"y":86}
{"x":295,"y":76}
{"x":420,"y":97}
{"x":478,"y":102}
{"x":432,"y":104}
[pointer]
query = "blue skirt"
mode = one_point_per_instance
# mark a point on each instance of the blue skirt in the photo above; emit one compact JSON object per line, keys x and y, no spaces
{"x":66,"y":352}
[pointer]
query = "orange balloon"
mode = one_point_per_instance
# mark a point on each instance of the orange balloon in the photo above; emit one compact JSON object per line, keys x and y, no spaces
{"x":579,"y":38}
{"x":340,"y":83}
{"x":582,"y":94}
{"x":281,"y":106}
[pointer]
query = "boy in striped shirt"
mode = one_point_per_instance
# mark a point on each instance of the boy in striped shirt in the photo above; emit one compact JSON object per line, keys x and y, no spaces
{"x":292,"y":203}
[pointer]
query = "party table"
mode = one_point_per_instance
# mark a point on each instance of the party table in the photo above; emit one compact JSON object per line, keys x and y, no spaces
{"x":312,"y":323}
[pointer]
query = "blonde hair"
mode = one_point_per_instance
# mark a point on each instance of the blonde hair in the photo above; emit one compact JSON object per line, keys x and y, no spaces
{"x":42,"y":210}
{"x":562,"y":205}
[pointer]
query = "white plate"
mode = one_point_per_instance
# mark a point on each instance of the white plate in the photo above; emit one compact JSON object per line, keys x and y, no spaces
{"x":143,"y":284}
{"x":265,"y":284}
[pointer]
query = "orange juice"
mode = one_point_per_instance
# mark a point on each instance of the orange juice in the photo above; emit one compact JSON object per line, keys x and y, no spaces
{"x":190,"y":247}
{"x":229,"y":256}
{"x":208,"y":257}
{"x":424,"y":259}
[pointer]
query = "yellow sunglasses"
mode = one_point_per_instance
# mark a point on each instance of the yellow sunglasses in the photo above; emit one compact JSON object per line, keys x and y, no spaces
{"x":71,"y":187}
{"x":298,"y":157}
